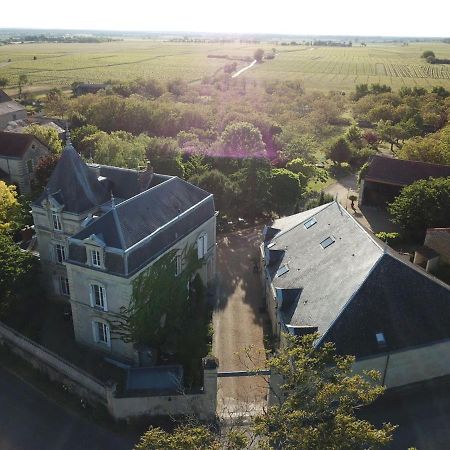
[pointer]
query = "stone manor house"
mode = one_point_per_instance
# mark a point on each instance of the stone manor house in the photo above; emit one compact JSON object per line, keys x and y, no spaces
{"x":98,"y":227}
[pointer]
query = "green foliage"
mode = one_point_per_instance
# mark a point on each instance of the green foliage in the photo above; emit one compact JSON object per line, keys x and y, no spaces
{"x":362,"y":172}
{"x":285,"y":190}
{"x":421,"y":205}
{"x":20,"y":294}
{"x":42,"y":173}
{"x":225,"y":191}
{"x":259,"y":54}
{"x":427,"y":53}
{"x":165,"y":315}
{"x":354,"y":135}
{"x":47,"y":135}
{"x":3,"y":82}
{"x":339,"y":151}
{"x":196,"y":166}
{"x":321,"y":396}
{"x":79,"y":138}
{"x":317,"y":403}
{"x":298,"y":146}
{"x":390,"y":238}
{"x":119,"y":149}
{"x":8,"y":206}
{"x":242,"y":139}
{"x":433,"y":148}
{"x":165,"y":156}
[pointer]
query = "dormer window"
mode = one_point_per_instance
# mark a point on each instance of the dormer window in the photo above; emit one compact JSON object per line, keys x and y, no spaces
{"x":56,"y":219}
{"x":96,"y":258}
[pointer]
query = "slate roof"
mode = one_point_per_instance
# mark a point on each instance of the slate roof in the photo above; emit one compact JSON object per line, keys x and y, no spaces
{"x":138,"y":217}
{"x":401,"y":172}
{"x":4,"y":97}
{"x":10,"y":107}
{"x":14,"y":145}
{"x":73,"y":185}
{"x":355,"y":287}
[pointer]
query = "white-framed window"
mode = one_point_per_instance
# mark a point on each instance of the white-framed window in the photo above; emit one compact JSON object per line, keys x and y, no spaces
{"x":178,"y":264}
{"x":202,"y":245}
{"x":101,"y":333}
{"x":60,"y":253}
{"x":56,"y":219}
{"x":98,"y":297}
{"x":64,"y":286}
{"x":96,"y":258}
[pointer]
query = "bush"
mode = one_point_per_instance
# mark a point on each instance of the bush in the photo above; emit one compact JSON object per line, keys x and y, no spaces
{"x":389,"y":238}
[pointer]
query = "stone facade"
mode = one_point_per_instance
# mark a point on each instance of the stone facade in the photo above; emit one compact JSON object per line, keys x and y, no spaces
{"x":118,"y":290}
{"x":20,"y":170}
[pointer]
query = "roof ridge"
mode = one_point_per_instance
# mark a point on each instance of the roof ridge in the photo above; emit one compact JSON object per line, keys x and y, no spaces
{"x":141,"y":194}
{"x":119,"y":227}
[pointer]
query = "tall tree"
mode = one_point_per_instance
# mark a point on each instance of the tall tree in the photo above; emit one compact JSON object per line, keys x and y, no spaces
{"x":339,"y":151}
{"x":8,"y":206}
{"x":421,"y":205}
{"x":242,"y":139}
{"x":47,"y":135}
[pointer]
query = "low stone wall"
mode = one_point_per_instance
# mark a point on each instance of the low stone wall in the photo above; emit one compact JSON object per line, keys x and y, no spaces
{"x":81,"y":383}
{"x":202,"y":403}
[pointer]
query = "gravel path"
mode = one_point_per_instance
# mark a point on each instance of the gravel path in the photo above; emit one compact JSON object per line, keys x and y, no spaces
{"x":238,"y":323}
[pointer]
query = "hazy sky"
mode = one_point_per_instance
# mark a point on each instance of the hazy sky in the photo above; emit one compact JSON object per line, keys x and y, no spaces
{"x":348,"y":17}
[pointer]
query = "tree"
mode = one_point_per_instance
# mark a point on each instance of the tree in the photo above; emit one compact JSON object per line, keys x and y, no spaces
{"x":339,"y":151}
{"x":318,"y":398}
{"x":259,"y":55}
{"x":427,"y":53}
{"x":47,"y":135}
{"x":43,"y":171}
{"x":19,"y":279}
{"x":8,"y":206}
{"x":56,"y":103}
{"x":421,"y":205}
{"x":224,"y":190}
{"x":23,"y":80}
{"x":354,"y":135}
{"x":433,"y":148}
{"x":242,"y":140}
{"x":3,"y":82}
{"x":285,"y":191}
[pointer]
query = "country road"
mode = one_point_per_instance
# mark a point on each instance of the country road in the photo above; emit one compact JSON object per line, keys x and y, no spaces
{"x":243,"y":69}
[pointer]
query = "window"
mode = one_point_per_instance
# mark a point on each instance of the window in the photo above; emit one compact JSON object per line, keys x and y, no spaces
{"x":327,"y":242}
{"x":309,"y":223}
{"x":60,"y":252}
{"x":30,"y":165}
{"x":64,"y":286}
{"x":178,"y":264}
{"x":101,"y":332}
{"x":98,"y":296}
{"x":56,"y":221}
{"x":282,"y":270}
{"x":202,"y":245}
{"x":95,"y":258}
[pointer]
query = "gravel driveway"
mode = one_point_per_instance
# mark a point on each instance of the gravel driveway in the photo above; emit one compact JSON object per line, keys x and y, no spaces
{"x":238,"y":323}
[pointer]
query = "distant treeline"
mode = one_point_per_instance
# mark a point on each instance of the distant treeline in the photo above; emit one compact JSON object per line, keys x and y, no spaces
{"x":320,"y":43}
{"x":60,"y":39}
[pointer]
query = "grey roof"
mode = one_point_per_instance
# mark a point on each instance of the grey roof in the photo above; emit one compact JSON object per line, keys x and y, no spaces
{"x":138,"y":217}
{"x":4,"y":97}
{"x":357,"y":276}
{"x":73,"y":185}
{"x":10,"y":107}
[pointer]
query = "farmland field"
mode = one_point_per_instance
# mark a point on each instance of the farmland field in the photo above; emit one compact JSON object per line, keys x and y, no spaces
{"x":322,"y":68}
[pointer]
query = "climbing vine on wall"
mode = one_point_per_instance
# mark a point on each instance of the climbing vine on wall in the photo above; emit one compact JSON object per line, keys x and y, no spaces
{"x":156,"y":315}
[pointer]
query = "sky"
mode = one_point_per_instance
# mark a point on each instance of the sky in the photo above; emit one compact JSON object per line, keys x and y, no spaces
{"x":425,"y":18}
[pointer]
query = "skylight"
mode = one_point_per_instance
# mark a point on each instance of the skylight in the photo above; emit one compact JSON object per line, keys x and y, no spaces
{"x":309,"y":223}
{"x":282,"y":270}
{"x":327,"y":242}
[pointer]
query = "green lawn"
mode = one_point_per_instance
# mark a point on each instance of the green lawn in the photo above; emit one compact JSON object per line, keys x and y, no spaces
{"x":323,"y":68}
